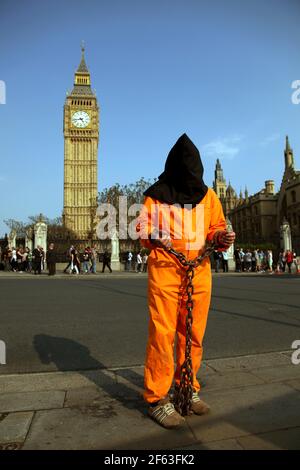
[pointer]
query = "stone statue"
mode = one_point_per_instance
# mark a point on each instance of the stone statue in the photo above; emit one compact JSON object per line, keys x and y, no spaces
{"x":12,"y":239}
{"x":285,"y":236}
{"x":29,"y":238}
{"x":115,"y":251}
{"x":230,"y":251}
{"x":40,"y":234}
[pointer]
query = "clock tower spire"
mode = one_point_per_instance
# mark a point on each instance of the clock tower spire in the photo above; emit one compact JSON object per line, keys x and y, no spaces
{"x":81,"y":136}
{"x":82,"y":74}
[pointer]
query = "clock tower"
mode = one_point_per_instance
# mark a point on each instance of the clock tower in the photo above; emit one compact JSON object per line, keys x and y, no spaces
{"x":81,"y":136}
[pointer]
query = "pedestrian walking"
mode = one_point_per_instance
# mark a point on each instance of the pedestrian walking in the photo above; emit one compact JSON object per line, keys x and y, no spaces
{"x":68,"y":268}
{"x":257,"y":260}
{"x":75,"y":262}
{"x":51,"y":260}
{"x":237,"y":259}
{"x":106,"y":261}
{"x":295,"y":260}
{"x":270,"y":260}
{"x":218,"y":260}
{"x":247,"y":260}
{"x":13,"y":260}
{"x":43,"y":256}
{"x":139,"y":263}
{"x":93,"y":255}
{"x":145,"y":261}
{"x":289,"y":260}
{"x":280,"y":261}
{"x":225,"y":261}
{"x":26,"y":260}
{"x":262,"y":258}
{"x":242,"y":258}
{"x":86,"y":261}
{"x":283,"y":261}
{"x":20,"y":253}
{"x":37,"y":260}
{"x":129,"y":261}
{"x":254,"y":261}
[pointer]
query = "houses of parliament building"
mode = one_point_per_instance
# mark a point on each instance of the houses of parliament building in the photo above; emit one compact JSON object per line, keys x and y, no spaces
{"x":257,"y":218}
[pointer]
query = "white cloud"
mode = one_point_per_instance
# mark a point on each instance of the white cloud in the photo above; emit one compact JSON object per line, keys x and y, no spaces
{"x":227,"y":147}
{"x":271,"y":138}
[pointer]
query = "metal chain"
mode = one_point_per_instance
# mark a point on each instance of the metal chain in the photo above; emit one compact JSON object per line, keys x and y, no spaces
{"x":184,"y":392}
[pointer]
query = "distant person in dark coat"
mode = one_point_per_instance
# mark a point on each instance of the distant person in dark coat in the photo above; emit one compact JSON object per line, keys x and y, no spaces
{"x":106,"y":261}
{"x":37,"y":260}
{"x":51,"y":260}
{"x":218,"y":257}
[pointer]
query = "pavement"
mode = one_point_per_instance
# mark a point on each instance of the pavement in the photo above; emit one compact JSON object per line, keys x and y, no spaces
{"x":255,"y":402}
{"x":75,"y":353}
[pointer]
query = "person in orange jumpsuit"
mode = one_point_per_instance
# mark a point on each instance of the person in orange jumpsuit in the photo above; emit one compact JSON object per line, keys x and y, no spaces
{"x":179,"y":211}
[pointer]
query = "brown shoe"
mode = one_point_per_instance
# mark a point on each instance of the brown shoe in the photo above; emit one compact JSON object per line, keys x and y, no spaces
{"x":199,"y":407}
{"x":165,"y":414}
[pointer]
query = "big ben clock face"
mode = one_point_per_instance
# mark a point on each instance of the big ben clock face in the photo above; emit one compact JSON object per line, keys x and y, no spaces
{"x":80,"y":119}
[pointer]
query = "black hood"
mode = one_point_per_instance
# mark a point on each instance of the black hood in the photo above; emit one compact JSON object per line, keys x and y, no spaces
{"x":182,"y":180}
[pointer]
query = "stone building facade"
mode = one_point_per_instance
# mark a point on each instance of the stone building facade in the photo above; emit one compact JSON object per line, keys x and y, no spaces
{"x":256,"y":219}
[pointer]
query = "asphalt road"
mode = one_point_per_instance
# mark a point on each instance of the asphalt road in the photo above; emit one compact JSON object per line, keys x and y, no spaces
{"x":76,"y":324}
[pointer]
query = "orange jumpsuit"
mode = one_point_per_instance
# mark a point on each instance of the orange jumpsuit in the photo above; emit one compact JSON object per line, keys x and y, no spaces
{"x":166,"y":297}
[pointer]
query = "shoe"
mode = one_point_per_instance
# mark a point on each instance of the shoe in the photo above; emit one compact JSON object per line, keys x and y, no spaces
{"x":199,"y":407}
{"x":165,"y":414}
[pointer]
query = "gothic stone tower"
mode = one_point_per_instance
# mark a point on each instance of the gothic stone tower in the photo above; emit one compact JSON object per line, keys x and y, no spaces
{"x":219,"y":183}
{"x":81,"y":136}
{"x":226,"y":194}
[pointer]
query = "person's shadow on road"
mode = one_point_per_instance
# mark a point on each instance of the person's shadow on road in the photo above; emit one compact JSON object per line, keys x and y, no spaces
{"x":69,"y":355}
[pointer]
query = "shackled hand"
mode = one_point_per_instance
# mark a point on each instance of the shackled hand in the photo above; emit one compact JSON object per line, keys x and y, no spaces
{"x":161,"y":239}
{"x":224,"y":239}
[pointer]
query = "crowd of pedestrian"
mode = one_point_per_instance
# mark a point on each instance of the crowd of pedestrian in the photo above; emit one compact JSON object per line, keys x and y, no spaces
{"x":85,"y":263}
{"x":259,"y":260}
{"x":221,"y":261}
{"x":24,"y":260}
{"x":136,"y":262}
{"x":36,"y":261}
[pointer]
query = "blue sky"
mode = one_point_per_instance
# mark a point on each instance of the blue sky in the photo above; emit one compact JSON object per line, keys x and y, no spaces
{"x":219,"y":71}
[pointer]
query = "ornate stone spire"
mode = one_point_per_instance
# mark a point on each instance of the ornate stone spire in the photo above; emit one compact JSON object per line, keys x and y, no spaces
{"x":82,"y":68}
{"x":230,"y":191}
{"x":219,"y":172}
{"x":219,"y":183}
{"x":288,"y":154}
{"x":82,"y":82}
